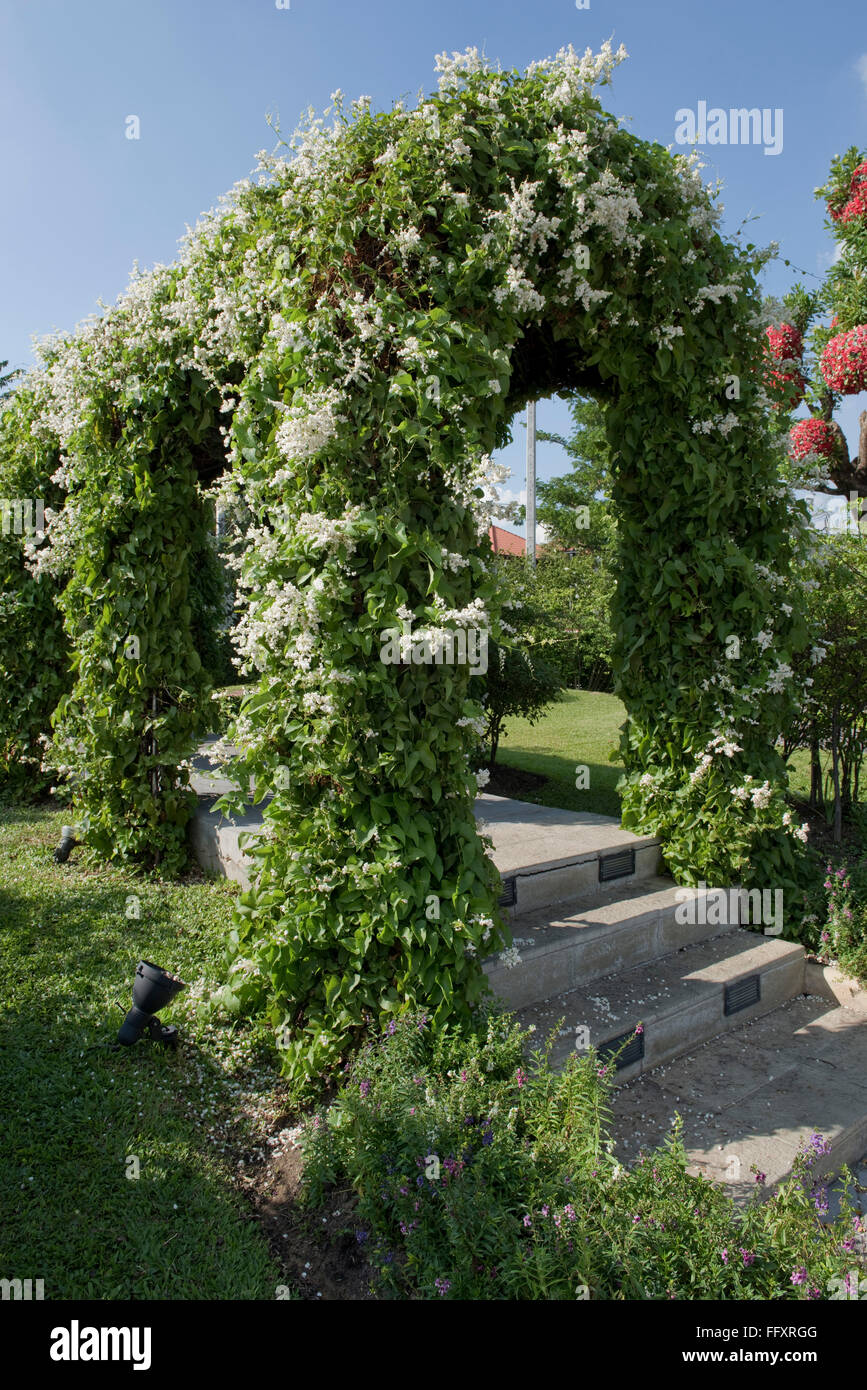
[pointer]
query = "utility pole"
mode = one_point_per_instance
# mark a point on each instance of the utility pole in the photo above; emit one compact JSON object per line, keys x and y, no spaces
{"x":531,"y":482}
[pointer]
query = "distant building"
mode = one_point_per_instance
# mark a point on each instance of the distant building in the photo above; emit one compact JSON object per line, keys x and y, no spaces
{"x":506,"y":543}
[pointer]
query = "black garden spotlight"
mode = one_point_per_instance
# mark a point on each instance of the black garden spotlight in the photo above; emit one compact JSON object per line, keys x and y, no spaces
{"x":153,"y":988}
{"x":67,"y":844}
{"x":70,"y":836}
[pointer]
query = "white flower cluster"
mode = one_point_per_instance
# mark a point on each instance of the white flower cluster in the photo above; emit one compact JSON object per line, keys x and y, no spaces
{"x":800,"y":832}
{"x":323,"y":532}
{"x":577,"y":75}
{"x":776,"y":682}
{"x":278,"y":618}
{"x":52,"y":551}
{"x":485,"y":476}
{"x":289,"y":336}
{"x":719,"y":744}
{"x":510,"y":957}
{"x":389,"y":155}
{"x":716,"y":294}
{"x":307,"y":429}
{"x":769,"y":576}
{"x":725,"y":746}
{"x":523,"y":232}
{"x":724,"y":423}
{"x":523,"y":224}
{"x":613,"y":205}
{"x":518,"y":289}
{"x":666,"y":335}
{"x":408,"y":240}
{"x":759,"y":795}
{"x":474,"y":615}
{"x":453,"y":70}
{"x":315,"y":702}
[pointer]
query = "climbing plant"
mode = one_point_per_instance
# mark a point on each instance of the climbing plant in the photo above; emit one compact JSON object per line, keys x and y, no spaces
{"x":359,"y":325}
{"x":34,"y":654}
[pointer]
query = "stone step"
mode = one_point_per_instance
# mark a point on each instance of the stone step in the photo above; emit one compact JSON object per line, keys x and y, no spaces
{"x":613,"y":931}
{"x":215,"y":840}
{"x":754,"y":1095}
{"x":546,"y":856}
{"x":681,"y":999}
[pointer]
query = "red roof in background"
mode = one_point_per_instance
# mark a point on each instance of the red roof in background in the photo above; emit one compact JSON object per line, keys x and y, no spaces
{"x":505,"y":543}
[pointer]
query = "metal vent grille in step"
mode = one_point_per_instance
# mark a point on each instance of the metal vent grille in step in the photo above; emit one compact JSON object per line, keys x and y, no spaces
{"x":509,"y":895}
{"x":632,"y":1053}
{"x":617,"y":865}
{"x":742,"y":994}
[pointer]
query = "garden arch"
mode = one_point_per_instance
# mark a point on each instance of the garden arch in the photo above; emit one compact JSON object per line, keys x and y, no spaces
{"x":365,"y":321}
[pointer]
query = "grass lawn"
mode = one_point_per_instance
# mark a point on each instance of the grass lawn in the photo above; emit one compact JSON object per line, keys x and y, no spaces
{"x":74,"y":1114}
{"x":584,"y":728}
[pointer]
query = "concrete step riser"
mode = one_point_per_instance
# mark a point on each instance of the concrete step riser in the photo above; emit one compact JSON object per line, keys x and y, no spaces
{"x":549,"y":887}
{"x":675,"y":1033}
{"x":217,"y":851}
{"x":682,"y":1032}
{"x":592,"y":954}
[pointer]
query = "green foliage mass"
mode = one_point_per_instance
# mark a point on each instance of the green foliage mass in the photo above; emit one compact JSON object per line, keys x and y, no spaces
{"x":832,"y":716}
{"x":34,"y":653}
{"x":520,"y":680}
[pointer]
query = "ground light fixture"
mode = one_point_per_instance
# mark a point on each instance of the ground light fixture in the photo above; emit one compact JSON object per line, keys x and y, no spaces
{"x":67,"y":844}
{"x":153,"y":988}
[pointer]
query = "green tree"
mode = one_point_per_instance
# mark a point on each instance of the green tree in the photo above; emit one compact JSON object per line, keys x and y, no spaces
{"x":575,"y":508}
{"x":5,"y":387}
{"x":570,"y":595}
{"x":832,"y":717}
{"x":520,"y":681}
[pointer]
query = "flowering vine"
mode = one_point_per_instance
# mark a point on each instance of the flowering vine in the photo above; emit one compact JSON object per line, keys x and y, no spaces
{"x":345,"y":342}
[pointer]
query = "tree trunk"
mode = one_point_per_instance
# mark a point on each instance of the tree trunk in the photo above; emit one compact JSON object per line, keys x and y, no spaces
{"x":838,"y":807}
{"x":495,"y":740}
{"x":849,"y":476}
{"x":816,"y":798}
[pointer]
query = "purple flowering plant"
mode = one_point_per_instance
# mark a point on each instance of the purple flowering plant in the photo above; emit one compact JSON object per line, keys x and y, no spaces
{"x":480,"y":1172}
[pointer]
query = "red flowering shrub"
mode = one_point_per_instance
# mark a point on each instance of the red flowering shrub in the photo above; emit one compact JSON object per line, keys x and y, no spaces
{"x":784,"y":348}
{"x":813,"y":436}
{"x":856,"y":206}
{"x":844,"y":361}
{"x":784,"y":342}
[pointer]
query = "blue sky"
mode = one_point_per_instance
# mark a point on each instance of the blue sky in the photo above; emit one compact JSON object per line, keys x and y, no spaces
{"x":83,"y":202}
